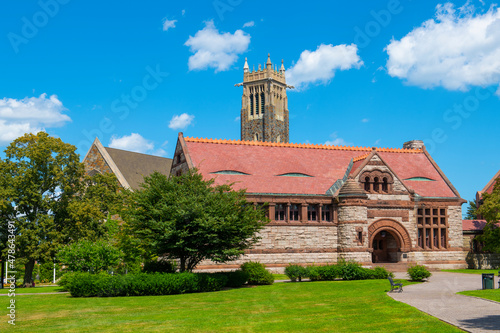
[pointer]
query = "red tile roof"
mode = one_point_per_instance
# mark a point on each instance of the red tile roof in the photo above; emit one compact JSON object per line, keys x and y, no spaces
{"x":489,"y":187}
{"x":474,"y":225}
{"x":265,"y":161}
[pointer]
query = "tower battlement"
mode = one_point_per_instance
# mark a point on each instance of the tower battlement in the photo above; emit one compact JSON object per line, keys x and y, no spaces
{"x":264,"y":104}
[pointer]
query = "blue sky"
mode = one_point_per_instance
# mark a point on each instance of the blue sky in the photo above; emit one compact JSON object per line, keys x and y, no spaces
{"x":367,"y":73}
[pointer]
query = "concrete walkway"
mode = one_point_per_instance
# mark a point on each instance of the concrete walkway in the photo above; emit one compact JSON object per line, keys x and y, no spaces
{"x":438,"y":298}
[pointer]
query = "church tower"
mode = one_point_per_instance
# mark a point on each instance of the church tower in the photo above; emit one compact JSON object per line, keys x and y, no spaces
{"x":264,"y":105}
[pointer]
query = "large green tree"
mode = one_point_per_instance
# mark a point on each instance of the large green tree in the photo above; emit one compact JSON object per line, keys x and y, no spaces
{"x":190,"y":219}
{"x":490,"y":210}
{"x":38,"y":175}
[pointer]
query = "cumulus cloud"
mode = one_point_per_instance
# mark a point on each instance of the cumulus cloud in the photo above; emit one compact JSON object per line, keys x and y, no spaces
{"x":336,"y":141}
{"x":133,"y":142}
{"x":216,"y":50}
{"x":319,"y":66}
{"x":180,"y":122}
{"x":29,"y":115}
{"x":249,"y":24}
{"x":167,"y":24}
{"x":457,"y":49}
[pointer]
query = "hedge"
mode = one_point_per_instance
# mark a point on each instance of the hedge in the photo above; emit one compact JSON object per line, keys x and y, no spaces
{"x":141,"y":284}
{"x":343,"y":270}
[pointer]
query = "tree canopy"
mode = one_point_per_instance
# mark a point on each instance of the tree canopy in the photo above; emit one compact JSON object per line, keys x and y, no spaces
{"x":490,"y":210}
{"x":188,"y":218}
{"x":44,"y":192}
{"x":38,"y":176}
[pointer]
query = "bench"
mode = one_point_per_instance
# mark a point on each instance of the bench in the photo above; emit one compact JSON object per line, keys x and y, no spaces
{"x":395,"y":286}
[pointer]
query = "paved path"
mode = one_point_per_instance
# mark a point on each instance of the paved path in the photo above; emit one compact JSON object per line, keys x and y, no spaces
{"x":438,"y":298}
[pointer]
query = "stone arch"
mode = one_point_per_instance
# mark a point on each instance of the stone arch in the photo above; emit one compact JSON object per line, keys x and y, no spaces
{"x":395,"y":228}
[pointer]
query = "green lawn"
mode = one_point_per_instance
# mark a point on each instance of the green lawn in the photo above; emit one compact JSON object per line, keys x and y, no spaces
{"x":280,"y":277}
{"x":347,"y":306}
{"x":32,"y":290}
{"x":471,"y":271}
{"x":492,"y":294}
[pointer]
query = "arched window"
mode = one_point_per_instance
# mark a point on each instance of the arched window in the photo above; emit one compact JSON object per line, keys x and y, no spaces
{"x":251,"y":104}
{"x":367,"y":184}
{"x":375,"y":184}
{"x":257,"y":104}
{"x":262,"y":103}
{"x":385,"y":185}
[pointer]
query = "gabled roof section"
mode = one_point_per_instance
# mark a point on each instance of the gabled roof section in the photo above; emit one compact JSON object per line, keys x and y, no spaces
{"x":489,"y":187}
{"x":130,"y":167}
{"x":134,"y":166}
{"x":107,"y":158}
{"x":263,"y":161}
{"x":474,"y":225}
{"x":367,"y":160}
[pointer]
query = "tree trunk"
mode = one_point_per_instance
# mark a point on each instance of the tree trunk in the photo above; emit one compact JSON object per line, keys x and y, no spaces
{"x":183,"y":264}
{"x":28,"y":273}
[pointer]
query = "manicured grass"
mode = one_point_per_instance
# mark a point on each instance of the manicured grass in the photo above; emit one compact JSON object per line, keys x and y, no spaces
{"x":492,"y":294}
{"x":471,"y":271}
{"x":33,"y":290}
{"x":280,"y":277}
{"x":340,"y":306}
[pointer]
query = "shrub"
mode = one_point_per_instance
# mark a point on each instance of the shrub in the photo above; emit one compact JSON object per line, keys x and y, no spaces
{"x":236,"y":279}
{"x":258,"y":274}
{"x":160,"y":265}
{"x":418,"y":272}
{"x":351,"y":270}
{"x":295,"y":272}
{"x":314,"y":273}
{"x":141,"y":284}
{"x":381,"y":273}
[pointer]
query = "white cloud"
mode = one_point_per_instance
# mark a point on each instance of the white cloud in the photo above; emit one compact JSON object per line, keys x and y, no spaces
{"x":133,"y":142}
{"x":456,"y":50}
{"x":319,"y":66}
{"x":249,"y":24}
{"x":167,"y":24}
{"x":183,"y":12}
{"x":365,"y":120}
{"x":237,"y":118}
{"x":216,"y":50}
{"x":182,"y":121}
{"x":29,"y":115}
{"x":336,"y":141}
{"x":136,"y":143}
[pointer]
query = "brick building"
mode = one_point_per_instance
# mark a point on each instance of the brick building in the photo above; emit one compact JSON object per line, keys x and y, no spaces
{"x":326,"y":202}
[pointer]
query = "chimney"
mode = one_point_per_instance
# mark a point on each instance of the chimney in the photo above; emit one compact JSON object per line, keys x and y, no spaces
{"x":413,"y":144}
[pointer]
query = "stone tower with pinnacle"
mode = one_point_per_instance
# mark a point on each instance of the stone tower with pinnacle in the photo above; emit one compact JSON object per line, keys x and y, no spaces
{"x":264,"y":104}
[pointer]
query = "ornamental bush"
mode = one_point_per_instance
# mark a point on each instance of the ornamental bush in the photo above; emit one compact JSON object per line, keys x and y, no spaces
{"x":236,"y":279}
{"x":295,"y":272}
{"x":351,"y":270}
{"x":381,"y":273}
{"x":258,"y":274}
{"x":418,"y":272}
{"x":141,"y":284}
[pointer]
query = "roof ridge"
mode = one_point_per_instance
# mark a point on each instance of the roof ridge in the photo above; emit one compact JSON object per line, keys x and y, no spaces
{"x":361,"y":157}
{"x":301,"y":145}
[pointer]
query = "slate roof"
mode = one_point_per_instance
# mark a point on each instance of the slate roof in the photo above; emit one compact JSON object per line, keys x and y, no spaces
{"x":134,"y":166}
{"x":265,"y":164}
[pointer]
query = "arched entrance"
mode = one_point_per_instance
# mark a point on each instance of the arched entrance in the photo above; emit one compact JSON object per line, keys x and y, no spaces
{"x":388,"y":239}
{"x":385,"y":247}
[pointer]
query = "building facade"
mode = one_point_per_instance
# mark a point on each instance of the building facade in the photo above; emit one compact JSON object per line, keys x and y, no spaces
{"x":370,"y":205}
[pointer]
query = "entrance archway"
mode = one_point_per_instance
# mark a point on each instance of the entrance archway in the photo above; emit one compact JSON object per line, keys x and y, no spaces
{"x":388,"y":238}
{"x":385,"y":247}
